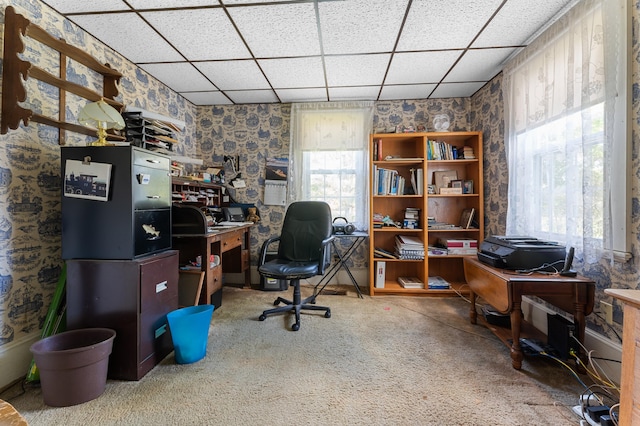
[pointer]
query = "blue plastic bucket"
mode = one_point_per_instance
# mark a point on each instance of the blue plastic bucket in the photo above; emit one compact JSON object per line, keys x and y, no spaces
{"x":189,"y":331}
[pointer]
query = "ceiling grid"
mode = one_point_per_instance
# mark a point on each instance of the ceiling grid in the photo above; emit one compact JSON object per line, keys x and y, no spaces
{"x":216,"y":52}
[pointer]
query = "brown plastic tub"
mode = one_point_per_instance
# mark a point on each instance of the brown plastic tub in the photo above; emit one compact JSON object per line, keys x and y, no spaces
{"x":73,"y":365}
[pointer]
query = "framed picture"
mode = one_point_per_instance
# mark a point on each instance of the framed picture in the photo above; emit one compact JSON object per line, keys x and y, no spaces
{"x":467,"y":187}
{"x":442,"y":178}
{"x":456,"y":183}
{"x":431,"y":189}
{"x":466,"y":218}
{"x":90,"y":180}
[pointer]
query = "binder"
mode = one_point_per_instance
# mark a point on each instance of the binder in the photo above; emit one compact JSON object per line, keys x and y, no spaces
{"x":380,"y":274}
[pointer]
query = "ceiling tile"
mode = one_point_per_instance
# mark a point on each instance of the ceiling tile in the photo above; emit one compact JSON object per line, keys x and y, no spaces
{"x":234,"y":75}
{"x":252,"y":96}
{"x":181,"y":77}
{"x":302,"y":95}
{"x":409,"y":91}
{"x":75,"y":6}
{"x":206,"y":98}
{"x":508,"y":29}
{"x":241,"y":2}
{"x":479,"y":65}
{"x":420,"y":67}
{"x":116,"y":33}
{"x":444,"y":24}
{"x":200,"y":34}
{"x":278,"y":30}
{"x":356,"y":70}
{"x":353,"y":93}
{"x":456,"y":90}
{"x":360,"y":26}
{"x":294,"y":72}
{"x":169,"y":4}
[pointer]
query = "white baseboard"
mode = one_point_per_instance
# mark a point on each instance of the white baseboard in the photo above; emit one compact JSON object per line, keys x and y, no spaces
{"x":602,"y":347}
{"x":15,"y":358}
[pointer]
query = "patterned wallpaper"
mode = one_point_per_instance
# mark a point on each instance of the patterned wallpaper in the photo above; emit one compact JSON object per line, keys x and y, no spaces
{"x":30,"y":175}
{"x":30,"y":172}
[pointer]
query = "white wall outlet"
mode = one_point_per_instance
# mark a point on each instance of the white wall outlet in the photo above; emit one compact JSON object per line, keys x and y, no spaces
{"x":607,"y":310}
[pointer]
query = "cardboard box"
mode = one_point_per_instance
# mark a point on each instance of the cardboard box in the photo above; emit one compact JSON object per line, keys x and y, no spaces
{"x":466,"y":243}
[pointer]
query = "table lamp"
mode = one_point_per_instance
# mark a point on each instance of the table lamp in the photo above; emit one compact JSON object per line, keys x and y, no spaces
{"x":102,"y":116}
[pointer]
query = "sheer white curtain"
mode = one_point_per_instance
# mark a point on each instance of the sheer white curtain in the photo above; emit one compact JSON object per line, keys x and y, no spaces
{"x":561,"y":105}
{"x":329,"y":156}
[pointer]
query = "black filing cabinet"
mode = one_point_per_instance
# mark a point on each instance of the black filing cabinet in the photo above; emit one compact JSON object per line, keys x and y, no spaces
{"x":132,"y":219}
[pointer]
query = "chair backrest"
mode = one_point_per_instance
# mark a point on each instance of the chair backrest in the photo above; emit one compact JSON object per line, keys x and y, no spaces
{"x":306,"y":225}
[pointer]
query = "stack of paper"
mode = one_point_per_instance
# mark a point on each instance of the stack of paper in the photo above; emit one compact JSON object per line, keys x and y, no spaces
{"x":409,"y":248}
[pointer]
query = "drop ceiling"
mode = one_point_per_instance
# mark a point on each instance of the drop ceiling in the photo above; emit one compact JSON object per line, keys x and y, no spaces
{"x":217,"y":52}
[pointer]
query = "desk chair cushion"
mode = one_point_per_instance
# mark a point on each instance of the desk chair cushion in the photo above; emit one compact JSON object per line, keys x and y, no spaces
{"x":289,"y":270}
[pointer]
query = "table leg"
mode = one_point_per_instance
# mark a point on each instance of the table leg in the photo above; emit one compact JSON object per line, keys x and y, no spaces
{"x":578,"y":317}
{"x":344,"y":265}
{"x":341,"y":263}
{"x":473,"y":314}
{"x":516,"y":349}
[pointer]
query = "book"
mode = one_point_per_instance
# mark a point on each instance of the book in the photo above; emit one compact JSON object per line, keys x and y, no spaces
{"x":380,"y":274}
{"x":417,"y":181}
{"x":437,"y":251}
{"x":438,"y":283}
{"x":410,"y":282}
{"x":410,"y":242}
{"x":466,"y":217}
{"x":378,"y":252}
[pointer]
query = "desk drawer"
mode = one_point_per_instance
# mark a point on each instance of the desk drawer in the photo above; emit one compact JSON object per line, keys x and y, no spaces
{"x":231,"y":240}
{"x":215,"y":279}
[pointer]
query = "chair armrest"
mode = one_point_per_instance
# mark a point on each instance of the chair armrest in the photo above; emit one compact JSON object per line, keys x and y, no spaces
{"x":325,"y":246}
{"x":263,"y":250}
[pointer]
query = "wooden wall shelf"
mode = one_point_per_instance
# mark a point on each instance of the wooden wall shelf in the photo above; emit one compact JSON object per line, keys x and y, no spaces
{"x":15,"y":71}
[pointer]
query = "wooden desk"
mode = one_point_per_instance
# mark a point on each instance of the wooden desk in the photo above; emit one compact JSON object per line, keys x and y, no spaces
{"x":231,"y":244}
{"x":504,"y":291}
{"x":630,"y":384}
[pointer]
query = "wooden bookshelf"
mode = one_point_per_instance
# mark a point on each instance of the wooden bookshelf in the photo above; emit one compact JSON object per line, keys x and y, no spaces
{"x":403,"y":154}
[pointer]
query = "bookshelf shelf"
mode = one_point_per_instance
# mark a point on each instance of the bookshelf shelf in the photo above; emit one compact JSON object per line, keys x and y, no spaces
{"x":418,"y":175}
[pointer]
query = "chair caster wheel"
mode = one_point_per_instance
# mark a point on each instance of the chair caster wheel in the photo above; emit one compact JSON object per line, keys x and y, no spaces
{"x":327,"y":314}
{"x":276,"y":303}
{"x":295,"y":327}
{"x":262,"y":317}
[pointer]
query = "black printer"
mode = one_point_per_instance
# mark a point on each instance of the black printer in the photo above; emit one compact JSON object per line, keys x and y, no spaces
{"x":522,"y":253}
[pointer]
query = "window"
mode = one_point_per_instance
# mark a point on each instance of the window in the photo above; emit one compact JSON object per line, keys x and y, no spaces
{"x":567,"y":141}
{"x":329,"y":146}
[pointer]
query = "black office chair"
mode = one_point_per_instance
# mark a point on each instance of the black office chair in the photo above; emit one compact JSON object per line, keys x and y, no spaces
{"x":303,"y":251}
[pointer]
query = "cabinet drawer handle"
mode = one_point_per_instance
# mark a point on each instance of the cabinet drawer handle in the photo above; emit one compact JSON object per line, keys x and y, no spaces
{"x":161,"y":286}
{"x":153,"y":161}
{"x":161,"y":330}
{"x":154,"y":197}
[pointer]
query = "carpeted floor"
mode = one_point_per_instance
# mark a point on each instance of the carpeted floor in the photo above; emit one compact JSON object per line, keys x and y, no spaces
{"x":377,"y":361}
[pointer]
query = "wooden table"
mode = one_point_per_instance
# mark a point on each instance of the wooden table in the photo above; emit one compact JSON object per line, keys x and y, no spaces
{"x":630,"y":385}
{"x":503,"y":290}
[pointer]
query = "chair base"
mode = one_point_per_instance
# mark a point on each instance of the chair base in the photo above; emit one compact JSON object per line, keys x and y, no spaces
{"x":296,"y":305}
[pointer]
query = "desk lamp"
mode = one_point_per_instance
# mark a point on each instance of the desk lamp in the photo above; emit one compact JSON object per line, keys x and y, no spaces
{"x":102,"y":116}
